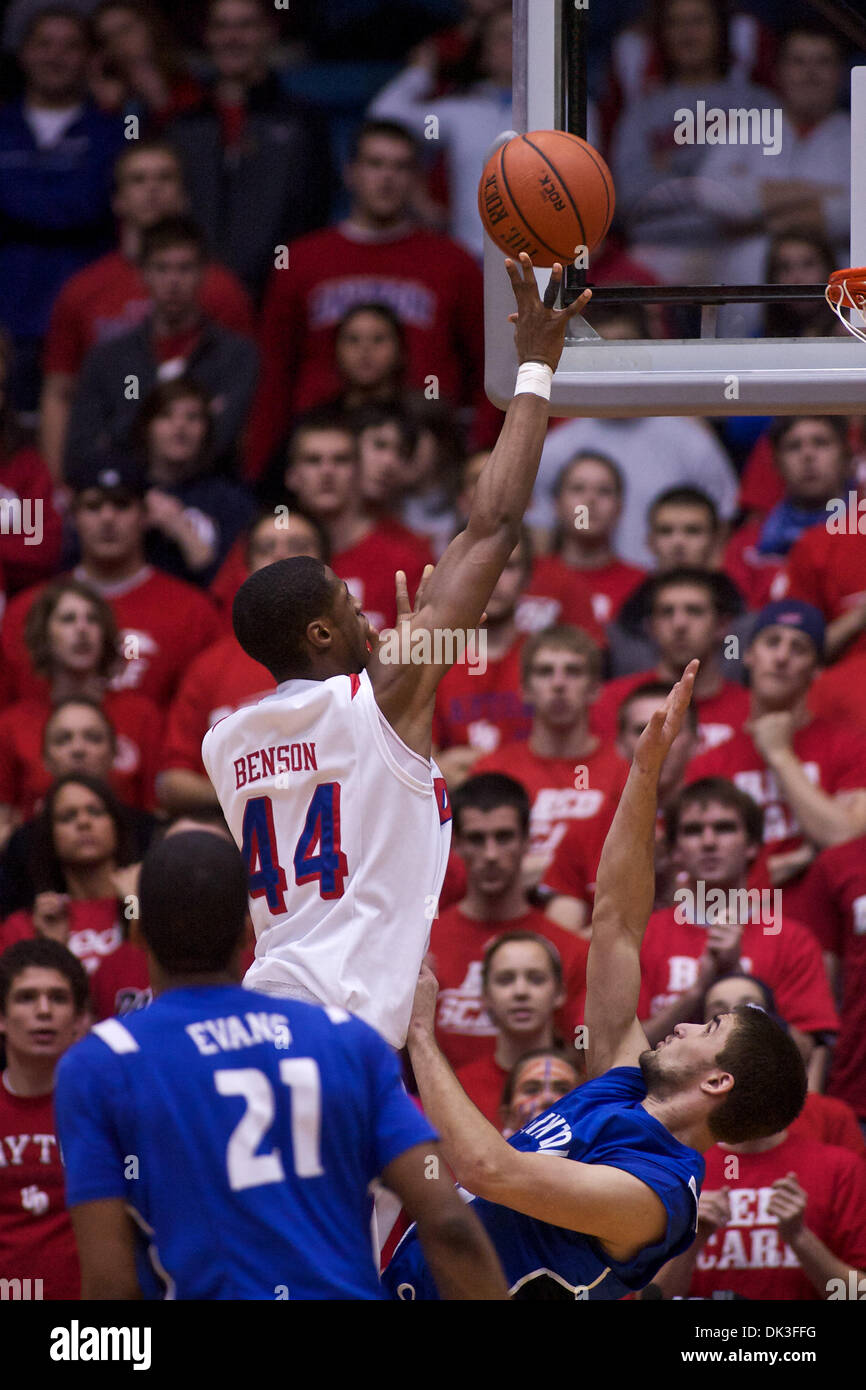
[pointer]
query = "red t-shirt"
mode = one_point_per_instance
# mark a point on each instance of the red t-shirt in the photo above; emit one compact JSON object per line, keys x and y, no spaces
{"x":163,"y":623}
{"x":24,"y":478}
{"x":829,"y":571}
{"x":120,"y":983}
{"x":36,"y":1239}
{"x":564,"y":792}
{"x":829,"y":1121}
{"x":483,"y":709}
{"x":752,"y":572}
{"x":24,"y":779}
{"x":749,"y":1256}
{"x":789,"y":962}
{"x":109,"y":298}
{"x":833,"y":758}
{"x":834,"y":906}
{"x":588,"y":598}
{"x":761,"y":486}
{"x":484,"y":1081}
{"x":433,"y":286}
{"x":720,"y":716}
{"x":218,"y":681}
{"x":457,"y":943}
{"x":836,"y":694}
{"x":95,"y":930}
{"x":556,"y":593}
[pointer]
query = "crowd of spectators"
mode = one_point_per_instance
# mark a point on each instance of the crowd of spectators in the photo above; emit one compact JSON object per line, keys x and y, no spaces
{"x":241,"y":319}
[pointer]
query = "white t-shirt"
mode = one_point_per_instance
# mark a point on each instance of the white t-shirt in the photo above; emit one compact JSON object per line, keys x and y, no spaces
{"x":48,"y":126}
{"x":346,"y":833}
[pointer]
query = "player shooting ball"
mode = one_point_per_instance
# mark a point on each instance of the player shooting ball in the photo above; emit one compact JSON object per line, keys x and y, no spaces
{"x":605,"y":1222}
{"x":328,"y":784}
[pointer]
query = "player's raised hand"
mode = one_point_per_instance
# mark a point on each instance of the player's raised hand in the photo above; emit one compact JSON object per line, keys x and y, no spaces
{"x":540,"y":329}
{"x":655,"y":741}
{"x":405,"y":608}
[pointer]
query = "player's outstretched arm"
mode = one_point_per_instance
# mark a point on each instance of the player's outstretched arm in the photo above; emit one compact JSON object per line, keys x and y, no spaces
{"x":458,"y":1249}
{"x":625,"y":887}
{"x":596,"y":1199}
{"x":454,"y":599}
{"x":106,"y":1250}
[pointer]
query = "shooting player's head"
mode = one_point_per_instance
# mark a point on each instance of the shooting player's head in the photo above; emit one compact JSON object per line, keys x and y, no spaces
{"x":193,"y":904}
{"x":299,"y":620}
{"x":740,"y":1072}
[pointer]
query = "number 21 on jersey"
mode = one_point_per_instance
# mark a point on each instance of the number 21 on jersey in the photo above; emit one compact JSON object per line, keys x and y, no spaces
{"x":317,"y":857}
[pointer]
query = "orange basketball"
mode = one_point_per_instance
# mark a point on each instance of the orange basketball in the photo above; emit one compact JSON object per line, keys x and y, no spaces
{"x":546,"y":193}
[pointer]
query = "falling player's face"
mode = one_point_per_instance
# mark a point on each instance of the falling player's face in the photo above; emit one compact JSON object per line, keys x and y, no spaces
{"x":684,"y":624}
{"x":589,"y":484}
{"x":686,"y":1056}
{"x":522,"y":995}
{"x":40,"y":1021}
{"x":492,"y":845}
{"x":323,"y":472}
{"x":559,"y":686}
{"x":681,"y":534}
{"x":541,"y":1082}
{"x":82,"y":829}
{"x":74,"y":634}
{"x":110,"y":525}
{"x":77,"y":739}
{"x":781,"y":662}
{"x":712,"y":845}
{"x":282,"y":538}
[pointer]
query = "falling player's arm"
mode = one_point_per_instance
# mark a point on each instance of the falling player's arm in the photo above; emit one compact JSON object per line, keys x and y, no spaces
{"x":596,"y":1199}
{"x":625,"y":887}
{"x":459,"y":1252}
{"x":456,"y":594}
{"x":106,"y":1250}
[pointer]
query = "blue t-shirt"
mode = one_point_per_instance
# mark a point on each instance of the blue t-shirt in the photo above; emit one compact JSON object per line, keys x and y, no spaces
{"x":602,"y":1122}
{"x":244,"y":1132}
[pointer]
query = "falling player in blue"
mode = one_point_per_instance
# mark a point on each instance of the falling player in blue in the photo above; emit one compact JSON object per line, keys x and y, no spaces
{"x":240,"y":1132}
{"x":626,"y":1199}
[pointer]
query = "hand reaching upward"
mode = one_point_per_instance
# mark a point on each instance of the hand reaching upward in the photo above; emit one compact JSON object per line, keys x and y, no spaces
{"x":540,"y":330}
{"x":658,"y":736}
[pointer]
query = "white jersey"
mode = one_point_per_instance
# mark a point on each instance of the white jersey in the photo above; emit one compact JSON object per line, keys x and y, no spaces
{"x":345,"y":833}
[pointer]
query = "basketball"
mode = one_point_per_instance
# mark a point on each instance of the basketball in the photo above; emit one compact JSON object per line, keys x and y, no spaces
{"x":546,"y":193}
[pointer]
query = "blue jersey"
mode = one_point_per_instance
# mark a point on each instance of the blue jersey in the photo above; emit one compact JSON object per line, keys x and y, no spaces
{"x":602,"y":1122}
{"x":244,"y":1132}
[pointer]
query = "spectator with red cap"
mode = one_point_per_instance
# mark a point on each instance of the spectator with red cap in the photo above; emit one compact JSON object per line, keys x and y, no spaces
{"x":109,"y":297}
{"x":809,"y":775}
{"x":163,"y":622}
{"x":521,"y":990}
{"x":491,"y":833}
{"x":571,"y":776}
{"x":43,"y":1011}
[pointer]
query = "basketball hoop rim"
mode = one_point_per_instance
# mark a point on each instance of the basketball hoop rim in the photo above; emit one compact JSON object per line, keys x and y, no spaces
{"x":846,"y":289}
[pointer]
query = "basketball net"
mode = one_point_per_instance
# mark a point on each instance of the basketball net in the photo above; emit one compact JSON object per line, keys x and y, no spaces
{"x":847,"y":290}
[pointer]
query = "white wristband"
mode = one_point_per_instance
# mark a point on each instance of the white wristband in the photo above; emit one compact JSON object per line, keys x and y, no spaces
{"x":536,"y":378}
